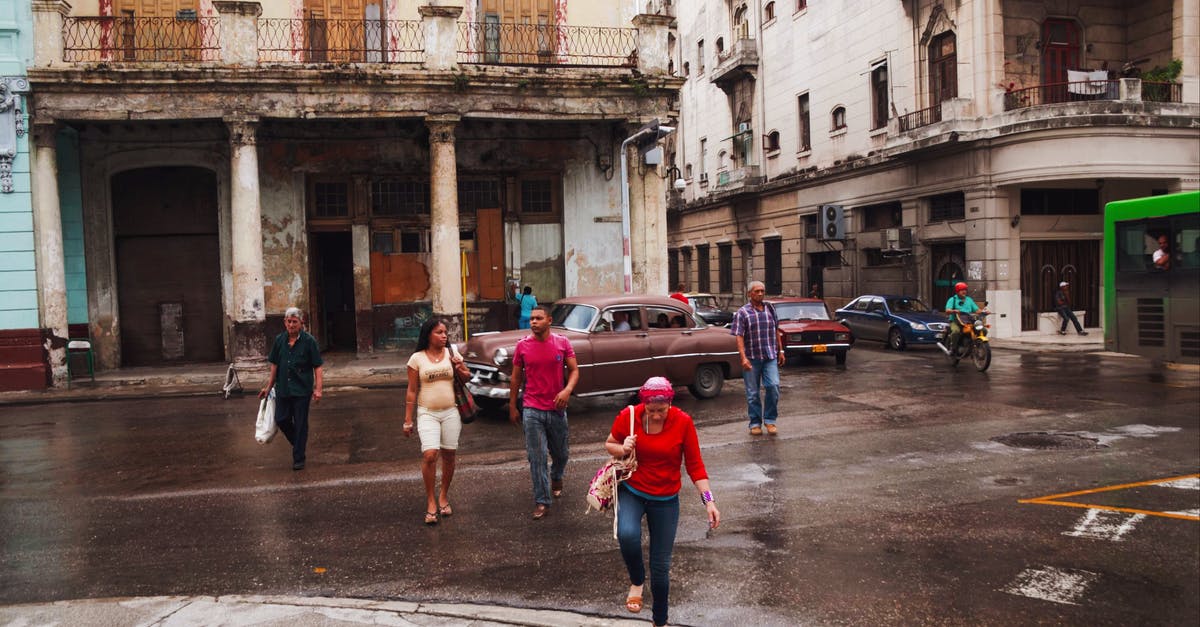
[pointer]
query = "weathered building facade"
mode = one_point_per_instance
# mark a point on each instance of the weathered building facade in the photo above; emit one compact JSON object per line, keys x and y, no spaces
{"x":373,"y":162}
{"x":974,"y":140}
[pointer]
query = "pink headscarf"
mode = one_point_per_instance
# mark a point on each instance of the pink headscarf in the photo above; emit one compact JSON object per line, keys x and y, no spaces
{"x":656,"y":390}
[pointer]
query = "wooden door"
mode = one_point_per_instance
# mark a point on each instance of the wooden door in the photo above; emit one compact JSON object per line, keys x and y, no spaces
{"x":172,"y":37}
{"x":525,"y":33}
{"x":1060,"y":51}
{"x":335,"y":30}
{"x":168,"y":265}
{"x":489,"y":242}
{"x":1045,"y":264}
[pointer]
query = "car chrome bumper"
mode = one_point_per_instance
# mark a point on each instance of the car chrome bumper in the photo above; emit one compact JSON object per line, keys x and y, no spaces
{"x":807,"y":349}
{"x":488,"y":382}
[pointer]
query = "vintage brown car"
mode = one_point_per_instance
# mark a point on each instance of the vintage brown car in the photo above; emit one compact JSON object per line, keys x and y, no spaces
{"x":664,"y":338}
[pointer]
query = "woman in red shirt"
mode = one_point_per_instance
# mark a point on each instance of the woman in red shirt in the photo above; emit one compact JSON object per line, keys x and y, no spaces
{"x":665,"y":439}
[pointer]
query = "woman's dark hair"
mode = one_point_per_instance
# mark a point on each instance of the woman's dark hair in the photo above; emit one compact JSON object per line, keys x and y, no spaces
{"x":527,"y":291}
{"x":426,"y":330}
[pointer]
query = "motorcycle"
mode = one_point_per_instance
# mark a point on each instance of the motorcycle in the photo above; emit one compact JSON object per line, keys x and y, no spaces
{"x":972,"y":342}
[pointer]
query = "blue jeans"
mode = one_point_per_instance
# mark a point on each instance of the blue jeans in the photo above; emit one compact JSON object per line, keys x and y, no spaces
{"x":662,"y":518}
{"x":545,"y":430}
{"x":523,"y":322}
{"x":763,"y":374}
{"x":291,"y":414}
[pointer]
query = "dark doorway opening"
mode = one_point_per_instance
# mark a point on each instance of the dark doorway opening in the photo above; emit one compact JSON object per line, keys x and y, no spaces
{"x":167,"y":256}
{"x":948,"y":267}
{"x":333,"y":274}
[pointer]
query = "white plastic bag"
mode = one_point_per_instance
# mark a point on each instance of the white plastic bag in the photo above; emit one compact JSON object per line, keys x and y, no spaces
{"x":265,"y":427}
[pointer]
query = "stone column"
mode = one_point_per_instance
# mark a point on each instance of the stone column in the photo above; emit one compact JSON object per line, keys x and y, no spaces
{"x":440,"y":24}
{"x":445,"y":272}
{"x":239,"y":31}
{"x":246,"y":337}
{"x":993,"y":254}
{"x":987,"y":58}
{"x":1185,"y":46}
{"x":48,"y":19}
{"x":653,"y":56}
{"x":648,"y":229}
{"x":48,"y":238}
{"x":360,"y":252}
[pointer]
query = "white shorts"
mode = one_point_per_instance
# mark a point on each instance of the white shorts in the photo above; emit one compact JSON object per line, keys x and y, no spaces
{"x":438,"y":428}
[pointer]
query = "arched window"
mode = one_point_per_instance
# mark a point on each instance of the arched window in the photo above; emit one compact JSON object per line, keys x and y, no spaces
{"x":720,"y":46}
{"x":772,"y":142}
{"x":721,"y":159}
{"x":687,"y":171}
{"x":943,"y":68}
{"x":837,"y":119}
{"x":769,"y":12}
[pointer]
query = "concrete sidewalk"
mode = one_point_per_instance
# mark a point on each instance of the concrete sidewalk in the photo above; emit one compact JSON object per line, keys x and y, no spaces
{"x":343,"y":370}
{"x":246,"y":610}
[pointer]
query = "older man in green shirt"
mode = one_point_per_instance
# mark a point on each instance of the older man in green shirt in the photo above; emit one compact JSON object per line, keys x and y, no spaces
{"x":296,"y":376}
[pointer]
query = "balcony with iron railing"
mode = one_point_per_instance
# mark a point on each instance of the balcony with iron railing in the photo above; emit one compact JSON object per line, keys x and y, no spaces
{"x":498,"y":43}
{"x":1091,"y":91}
{"x":116,"y":40}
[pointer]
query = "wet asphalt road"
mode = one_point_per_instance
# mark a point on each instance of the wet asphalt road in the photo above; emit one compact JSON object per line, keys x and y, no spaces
{"x":884,"y":500}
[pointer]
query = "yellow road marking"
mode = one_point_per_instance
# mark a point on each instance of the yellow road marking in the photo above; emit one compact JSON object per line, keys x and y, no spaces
{"x":1053,"y":499}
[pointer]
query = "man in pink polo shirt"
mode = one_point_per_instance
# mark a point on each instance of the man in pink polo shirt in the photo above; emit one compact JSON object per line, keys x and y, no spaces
{"x":538,"y":363}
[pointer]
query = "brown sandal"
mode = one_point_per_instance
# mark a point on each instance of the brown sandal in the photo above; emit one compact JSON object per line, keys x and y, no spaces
{"x":633,"y":604}
{"x":539,"y":511}
{"x":431,"y":518}
{"x":445,"y":511}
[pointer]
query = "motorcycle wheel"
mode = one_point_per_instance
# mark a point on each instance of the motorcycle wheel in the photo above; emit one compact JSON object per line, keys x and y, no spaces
{"x":982,"y":356}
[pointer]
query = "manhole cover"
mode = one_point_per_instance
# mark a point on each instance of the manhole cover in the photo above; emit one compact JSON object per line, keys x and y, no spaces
{"x":1044,"y":441}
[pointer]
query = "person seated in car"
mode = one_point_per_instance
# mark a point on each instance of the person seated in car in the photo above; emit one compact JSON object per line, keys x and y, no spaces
{"x":621,"y":321}
{"x":677,"y":322}
{"x":662,"y":322}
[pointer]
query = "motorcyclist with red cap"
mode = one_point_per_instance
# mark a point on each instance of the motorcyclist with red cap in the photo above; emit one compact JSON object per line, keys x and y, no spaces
{"x":959,"y":303}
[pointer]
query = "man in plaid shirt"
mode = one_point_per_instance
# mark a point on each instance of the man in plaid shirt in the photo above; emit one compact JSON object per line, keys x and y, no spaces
{"x":759,"y":345}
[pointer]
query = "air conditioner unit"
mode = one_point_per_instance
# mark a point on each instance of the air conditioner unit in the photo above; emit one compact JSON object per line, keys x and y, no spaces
{"x":743,"y":127}
{"x":897,"y":239}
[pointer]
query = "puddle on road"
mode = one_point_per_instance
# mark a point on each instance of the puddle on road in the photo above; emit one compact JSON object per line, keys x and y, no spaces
{"x":1042,"y":440}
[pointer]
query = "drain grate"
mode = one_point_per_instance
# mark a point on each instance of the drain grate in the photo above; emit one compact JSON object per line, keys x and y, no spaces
{"x":1043,"y":440}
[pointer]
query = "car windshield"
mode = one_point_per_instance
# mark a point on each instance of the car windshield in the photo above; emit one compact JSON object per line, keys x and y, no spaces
{"x":706,"y":302}
{"x":907,"y":305}
{"x":574,"y":317}
{"x":801,"y":311}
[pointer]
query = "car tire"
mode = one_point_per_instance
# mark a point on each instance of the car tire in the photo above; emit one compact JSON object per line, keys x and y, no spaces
{"x":708,"y":381}
{"x":895,"y":339}
{"x":841,"y":358}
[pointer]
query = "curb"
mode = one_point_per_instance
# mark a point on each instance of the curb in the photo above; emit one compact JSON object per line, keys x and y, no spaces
{"x":235,"y":610}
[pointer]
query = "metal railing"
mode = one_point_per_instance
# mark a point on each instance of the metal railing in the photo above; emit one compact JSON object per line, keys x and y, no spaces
{"x":1059,"y":93}
{"x":917,"y":119}
{"x":1162,"y":92}
{"x":340,"y":41}
{"x":141,"y":39}
{"x":535,"y":44}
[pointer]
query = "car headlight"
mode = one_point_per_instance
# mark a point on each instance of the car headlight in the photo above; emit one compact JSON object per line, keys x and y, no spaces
{"x":501,"y":357}
{"x":917,"y":326}
{"x":841,"y":337}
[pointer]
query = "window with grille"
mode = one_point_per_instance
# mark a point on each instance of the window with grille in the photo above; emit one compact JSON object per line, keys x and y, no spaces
{"x":773,"y":265}
{"x":331,"y":199}
{"x":950,"y":206}
{"x":805,"y":124}
{"x":478,"y":194}
{"x":702,"y":268}
{"x":879,"y":96}
{"x":810,"y":225}
{"x":725,"y":268}
{"x":537,"y":196}
{"x":882,"y":216}
{"x":399,"y":197}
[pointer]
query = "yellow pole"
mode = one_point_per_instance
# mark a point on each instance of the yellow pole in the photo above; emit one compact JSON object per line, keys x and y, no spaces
{"x":463,"y":265}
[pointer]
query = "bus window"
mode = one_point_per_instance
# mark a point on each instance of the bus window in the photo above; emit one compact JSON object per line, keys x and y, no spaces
{"x":1188,"y":247}
{"x":1132,"y":252}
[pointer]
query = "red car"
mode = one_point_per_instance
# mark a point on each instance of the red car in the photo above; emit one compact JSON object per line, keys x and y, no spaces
{"x":809,"y":329}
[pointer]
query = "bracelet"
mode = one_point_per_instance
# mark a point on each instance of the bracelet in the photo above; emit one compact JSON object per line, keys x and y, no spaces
{"x":706,"y":497}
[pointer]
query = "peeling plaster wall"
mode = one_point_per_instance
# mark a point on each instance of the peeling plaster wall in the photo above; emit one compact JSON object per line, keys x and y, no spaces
{"x":591,"y":248}
{"x":285,"y":240}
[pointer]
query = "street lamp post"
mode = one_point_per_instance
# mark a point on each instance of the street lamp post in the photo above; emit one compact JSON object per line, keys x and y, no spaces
{"x":659,"y":131}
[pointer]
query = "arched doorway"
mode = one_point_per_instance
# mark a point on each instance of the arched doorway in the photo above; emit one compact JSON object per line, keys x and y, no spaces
{"x":167,"y":255}
{"x":949,"y":268}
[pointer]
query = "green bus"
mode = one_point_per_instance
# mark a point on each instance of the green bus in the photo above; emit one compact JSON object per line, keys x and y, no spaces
{"x":1152,"y":277}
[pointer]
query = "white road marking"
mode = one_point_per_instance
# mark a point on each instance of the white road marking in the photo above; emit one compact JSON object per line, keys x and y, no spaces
{"x":1105,"y":525}
{"x":1187,"y":483}
{"x":1052,"y":584}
